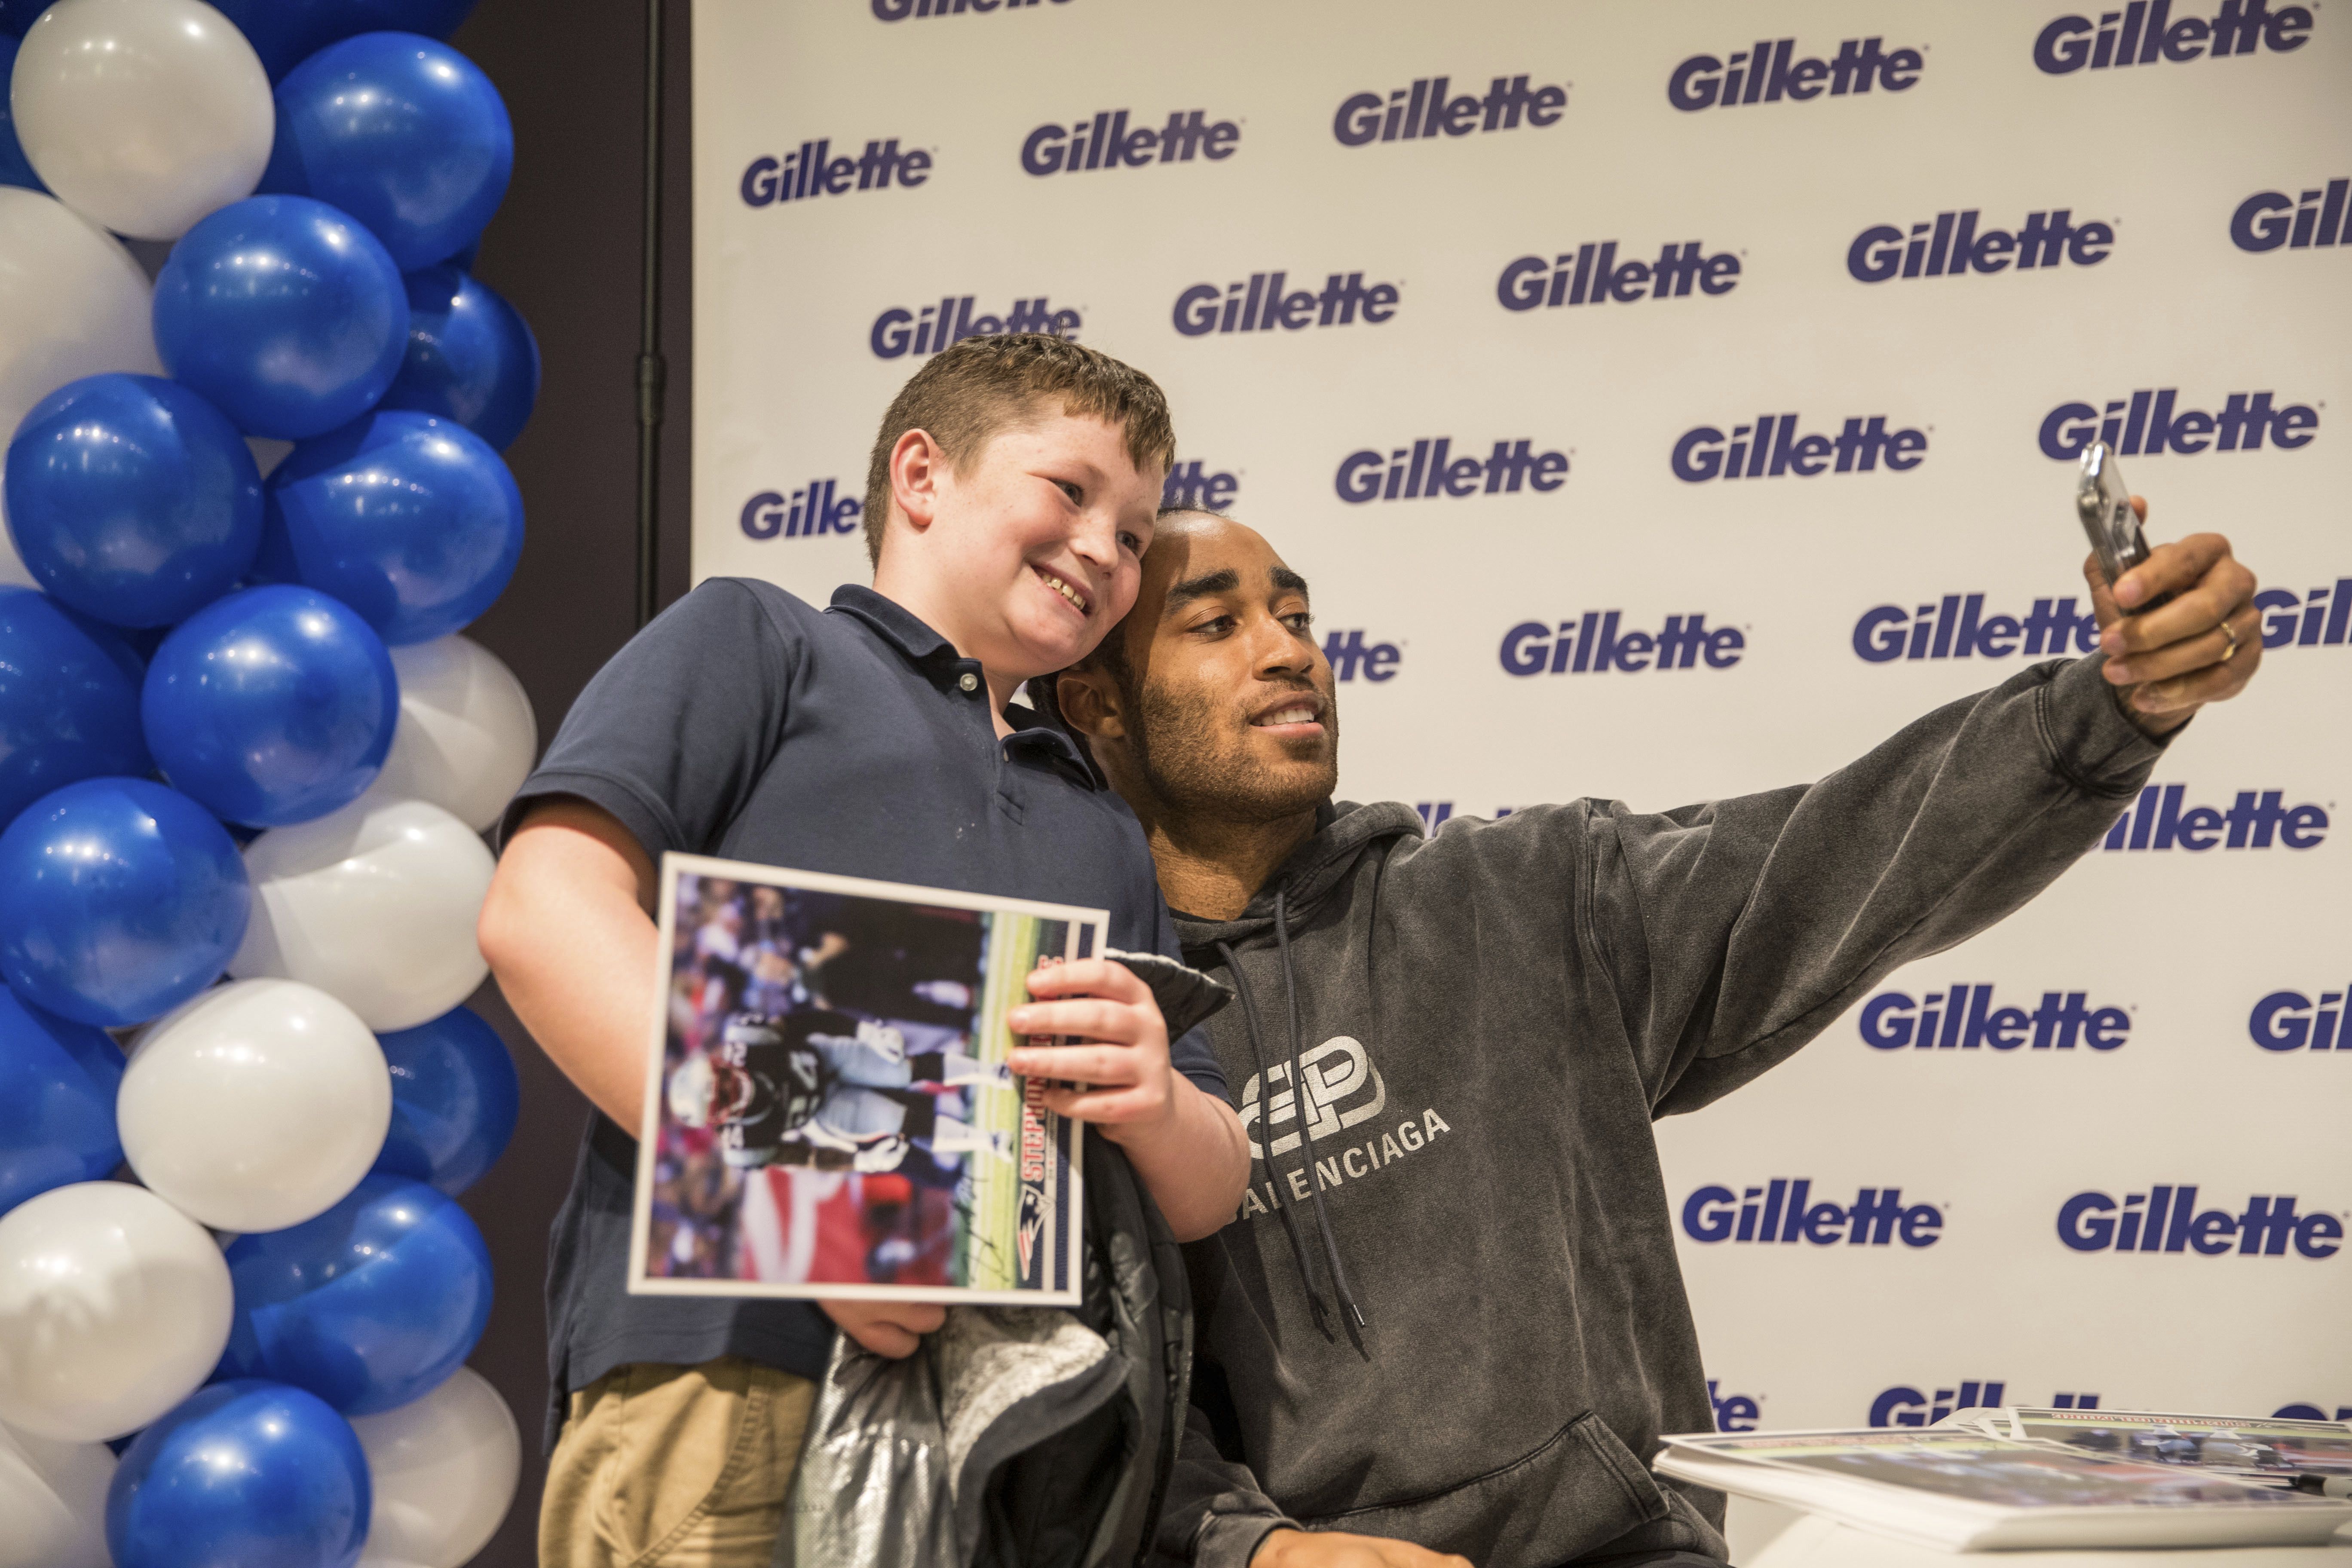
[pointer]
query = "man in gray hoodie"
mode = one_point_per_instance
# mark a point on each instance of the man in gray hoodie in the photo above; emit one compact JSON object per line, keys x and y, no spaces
{"x":1449,"y":1312}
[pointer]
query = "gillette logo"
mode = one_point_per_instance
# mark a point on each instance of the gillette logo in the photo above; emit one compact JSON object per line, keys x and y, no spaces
{"x":1594,"y":645}
{"x":899,"y":10}
{"x":1968,"y":1021}
{"x":1590,"y":274}
{"x":1424,"y":110}
{"x":2149,"y":424}
{"x":1950,"y":246}
{"x":811,"y":512}
{"x":1425,"y":470}
{"x":2171,"y":1221}
{"x":2289,"y":1021}
{"x":2255,"y":820}
{"x":1106,"y":141}
{"x":896,"y":333}
{"x":1348,"y":652}
{"x":807,"y":172}
{"x":1905,"y":1407}
{"x":1734,"y":1412}
{"x":2260,"y":221}
{"x":1958,"y":628}
{"x":1706,"y":453}
{"x":2143,"y":34}
{"x":1781,"y":1213}
{"x":1260,"y":304}
{"x":1189,"y":485}
{"x":1770,"y":71}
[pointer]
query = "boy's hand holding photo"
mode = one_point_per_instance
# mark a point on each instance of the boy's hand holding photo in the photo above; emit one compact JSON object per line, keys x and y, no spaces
{"x":1188,"y":1148}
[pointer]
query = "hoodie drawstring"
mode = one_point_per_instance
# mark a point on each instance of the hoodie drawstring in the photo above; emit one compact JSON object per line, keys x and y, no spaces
{"x":1265,"y":1136}
{"x":1299,"y":1108}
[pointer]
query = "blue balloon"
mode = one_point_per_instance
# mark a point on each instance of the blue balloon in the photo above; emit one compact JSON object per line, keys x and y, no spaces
{"x":273,"y":705}
{"x":245,"y":1474}
{"x":285,"y":32}
{"x":283,"y":311}
{"x":57,"y":1081}
{"x":411,"y":521}
{"x":471,"y":358}
{"x":368,"y":1306}
{"x":123,"y":900}
{"x":403,"y":132}
{"x":14,"y":168}
{"x":132,"y":499}
{"x":68,"y":700}
{"x":454,"y":1099}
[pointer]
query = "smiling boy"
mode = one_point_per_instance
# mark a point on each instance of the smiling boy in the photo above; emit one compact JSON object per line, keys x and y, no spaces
{"x":1009,"y":499}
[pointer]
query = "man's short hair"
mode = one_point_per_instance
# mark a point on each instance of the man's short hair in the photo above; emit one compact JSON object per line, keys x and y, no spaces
{"x":976,"y":390}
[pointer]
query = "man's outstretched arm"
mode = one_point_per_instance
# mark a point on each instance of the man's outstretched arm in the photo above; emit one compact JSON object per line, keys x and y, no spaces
{"x":1735,"y":931}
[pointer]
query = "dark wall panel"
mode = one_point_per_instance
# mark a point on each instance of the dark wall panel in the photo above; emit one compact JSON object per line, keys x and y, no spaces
{"x":565,"y":249}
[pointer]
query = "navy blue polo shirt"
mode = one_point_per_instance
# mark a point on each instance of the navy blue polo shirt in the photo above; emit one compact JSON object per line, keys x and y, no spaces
{"x":744,"y":722}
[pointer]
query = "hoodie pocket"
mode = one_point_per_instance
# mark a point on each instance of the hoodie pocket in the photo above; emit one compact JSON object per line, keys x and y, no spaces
{"x":1580,"y":1489}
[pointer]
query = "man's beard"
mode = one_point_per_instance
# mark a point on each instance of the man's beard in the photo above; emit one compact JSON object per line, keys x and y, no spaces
{"x":1178,"y":750}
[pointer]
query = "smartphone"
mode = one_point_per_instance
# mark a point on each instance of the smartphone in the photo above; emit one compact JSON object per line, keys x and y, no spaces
{"x":2104,"y":506}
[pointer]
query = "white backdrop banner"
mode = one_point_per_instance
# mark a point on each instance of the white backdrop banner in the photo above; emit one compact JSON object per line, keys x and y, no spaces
{"x":1669,"y":402}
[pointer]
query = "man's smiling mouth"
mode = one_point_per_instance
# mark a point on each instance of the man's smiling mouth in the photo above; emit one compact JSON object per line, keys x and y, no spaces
{"x":1301,"y":709}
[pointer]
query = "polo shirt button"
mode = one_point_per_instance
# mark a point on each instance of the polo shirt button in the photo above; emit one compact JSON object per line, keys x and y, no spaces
{"x":968,"y":682}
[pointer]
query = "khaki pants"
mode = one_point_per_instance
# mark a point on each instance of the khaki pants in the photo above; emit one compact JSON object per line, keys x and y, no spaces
{"x":674,"y":1466}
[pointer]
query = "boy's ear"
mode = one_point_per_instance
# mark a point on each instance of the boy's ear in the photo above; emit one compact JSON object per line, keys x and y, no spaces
{"x":1089,"y":700}
{"x":918,"y":468}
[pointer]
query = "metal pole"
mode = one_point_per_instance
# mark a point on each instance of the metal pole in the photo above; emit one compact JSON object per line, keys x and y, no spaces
{"x":652,"y":371}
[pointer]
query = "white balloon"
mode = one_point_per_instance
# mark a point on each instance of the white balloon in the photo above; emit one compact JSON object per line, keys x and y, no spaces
{"x":444,"y":1469}
{"x":466,"y":737}
{"x":373,"y":904}
{"x":72,"y":303}
{"x":53,"y":1496}
{"x":255,"y":1106}
{"x":114,"y":1307}
{"x":144,"y":115}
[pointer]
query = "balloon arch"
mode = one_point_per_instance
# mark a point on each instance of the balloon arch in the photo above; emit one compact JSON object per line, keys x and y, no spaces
{"x":245,"y":761}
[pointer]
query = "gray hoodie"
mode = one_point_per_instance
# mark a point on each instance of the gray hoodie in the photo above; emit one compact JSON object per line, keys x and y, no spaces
{"x":1456,"y":1316}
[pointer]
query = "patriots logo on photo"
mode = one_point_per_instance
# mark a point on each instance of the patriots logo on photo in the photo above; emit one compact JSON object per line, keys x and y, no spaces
{"x":1033,"y":1225}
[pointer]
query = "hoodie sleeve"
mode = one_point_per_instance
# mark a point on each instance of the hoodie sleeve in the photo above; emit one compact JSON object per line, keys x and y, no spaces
{"x":1213,"y":1516}
{"x":1735,"y":930}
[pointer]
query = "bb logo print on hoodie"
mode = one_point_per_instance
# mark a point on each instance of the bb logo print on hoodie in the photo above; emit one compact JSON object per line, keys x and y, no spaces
{"x":1343,"y":1088}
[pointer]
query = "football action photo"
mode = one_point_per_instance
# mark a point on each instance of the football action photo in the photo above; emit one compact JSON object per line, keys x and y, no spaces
{"x":830,"y":1114}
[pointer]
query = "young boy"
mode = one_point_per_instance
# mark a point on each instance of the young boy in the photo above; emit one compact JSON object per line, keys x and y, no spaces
{"x":1009,"y":501}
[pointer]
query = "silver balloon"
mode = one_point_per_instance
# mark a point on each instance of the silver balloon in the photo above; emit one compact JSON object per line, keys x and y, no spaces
{"x":114,"y":1307}
{"x":144,"y":115}
{"x":72,"y":303}
{"x":255,"y":1106}
{"x":375,"y":905}
{"x":466,"y":736}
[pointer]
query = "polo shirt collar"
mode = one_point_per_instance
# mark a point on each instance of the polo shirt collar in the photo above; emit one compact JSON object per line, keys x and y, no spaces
{"x":898,"y":625}
{"x":903,"y":630}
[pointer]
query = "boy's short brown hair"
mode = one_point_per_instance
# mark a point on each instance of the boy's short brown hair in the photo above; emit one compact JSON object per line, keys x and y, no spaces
{"x":976,"y":390}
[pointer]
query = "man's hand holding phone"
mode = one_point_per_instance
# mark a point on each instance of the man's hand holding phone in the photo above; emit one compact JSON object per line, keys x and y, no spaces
{"x":2200,"y":646}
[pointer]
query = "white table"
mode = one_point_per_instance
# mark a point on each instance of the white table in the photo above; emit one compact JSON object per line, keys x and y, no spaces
{"x":1814,"y":1541}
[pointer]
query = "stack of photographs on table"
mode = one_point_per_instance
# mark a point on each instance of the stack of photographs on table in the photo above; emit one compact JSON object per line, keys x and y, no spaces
{"x":2281,"y":1452}
{"x":830,"y":1114}
{"x":1957,"y":1488}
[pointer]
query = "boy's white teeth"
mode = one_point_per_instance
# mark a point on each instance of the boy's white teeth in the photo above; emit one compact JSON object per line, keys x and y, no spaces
{"x":1063,"y":589}
{"x":1290,"y":716}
